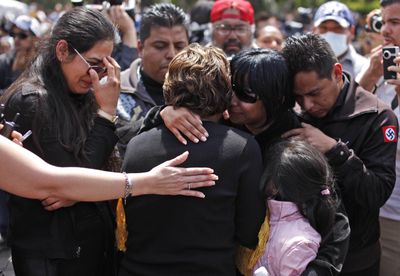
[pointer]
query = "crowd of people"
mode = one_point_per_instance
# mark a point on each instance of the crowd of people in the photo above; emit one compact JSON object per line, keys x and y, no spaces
{"x":291,"y":163}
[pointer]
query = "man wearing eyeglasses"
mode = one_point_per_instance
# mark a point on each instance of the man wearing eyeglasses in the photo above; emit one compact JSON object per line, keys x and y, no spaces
{"x":25,"y":32}
{"x":232,"y":25}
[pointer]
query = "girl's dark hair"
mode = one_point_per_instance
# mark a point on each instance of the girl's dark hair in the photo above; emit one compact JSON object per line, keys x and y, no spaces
{"x":265,"y":72}
{"x":299,"y":173}
{"x":81,"y":28}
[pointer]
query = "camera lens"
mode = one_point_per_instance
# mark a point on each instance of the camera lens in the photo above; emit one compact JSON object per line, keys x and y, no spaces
{"x":377,"y":24}
{"x":387,"y":54}
{"x":77,"y":3}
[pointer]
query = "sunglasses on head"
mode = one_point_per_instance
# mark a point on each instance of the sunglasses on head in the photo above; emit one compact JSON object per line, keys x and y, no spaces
{"x":20,"y":35}
{"x":245,"y":94}
{"x":98,"y":69}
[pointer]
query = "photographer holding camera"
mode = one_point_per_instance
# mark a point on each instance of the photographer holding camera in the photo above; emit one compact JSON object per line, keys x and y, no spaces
{"x":371,"y":37}
{"x":373,"y":79}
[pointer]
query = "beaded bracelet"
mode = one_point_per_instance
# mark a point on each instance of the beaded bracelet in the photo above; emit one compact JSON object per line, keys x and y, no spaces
{"x":128,"y":186}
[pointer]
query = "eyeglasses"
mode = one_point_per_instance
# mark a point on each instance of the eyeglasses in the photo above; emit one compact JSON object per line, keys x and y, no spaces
{"x":245,"y":95}
{"x":224,"y":30}
{"x":20,"y":35}
{"x":98,"y":69}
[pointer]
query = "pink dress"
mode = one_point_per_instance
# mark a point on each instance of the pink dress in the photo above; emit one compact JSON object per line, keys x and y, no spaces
{"x":292,"y":242}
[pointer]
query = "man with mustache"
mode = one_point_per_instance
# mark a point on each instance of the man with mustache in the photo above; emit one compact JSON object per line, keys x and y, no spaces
{"x":232,"y":25}
{"x":163,"y":33}
{"x":372,"y":79}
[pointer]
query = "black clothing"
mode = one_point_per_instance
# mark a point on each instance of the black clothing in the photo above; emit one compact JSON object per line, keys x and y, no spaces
{"x":286,"y":122}
{"x":67,"y":233}
{"x":331,"y":254}
{"x":154,"y":88}
{"x":139,"y":93}
{"x":364,"y":164}
{"x":177,"y":235}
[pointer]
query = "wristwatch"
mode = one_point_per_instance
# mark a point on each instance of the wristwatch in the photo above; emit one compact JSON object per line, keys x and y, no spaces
{"x":112,"y":118}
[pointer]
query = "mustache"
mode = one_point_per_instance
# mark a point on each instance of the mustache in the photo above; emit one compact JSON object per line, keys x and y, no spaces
{"x":232,"y":42}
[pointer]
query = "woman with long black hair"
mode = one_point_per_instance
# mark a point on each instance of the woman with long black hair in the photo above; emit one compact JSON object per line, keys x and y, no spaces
{"x":70,"y":111}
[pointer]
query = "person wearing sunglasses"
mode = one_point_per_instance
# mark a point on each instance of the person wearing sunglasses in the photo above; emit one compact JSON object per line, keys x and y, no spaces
{"x":69,"y":105}
{"x":26,"y":32}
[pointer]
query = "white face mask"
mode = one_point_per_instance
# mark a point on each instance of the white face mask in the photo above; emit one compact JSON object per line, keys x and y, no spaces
{"x":338,"y":42}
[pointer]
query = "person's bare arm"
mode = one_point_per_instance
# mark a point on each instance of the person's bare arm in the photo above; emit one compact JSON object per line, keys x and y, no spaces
{"x":124,"y":24}
{"x":25,"y":174}
{"x":374,"y":71}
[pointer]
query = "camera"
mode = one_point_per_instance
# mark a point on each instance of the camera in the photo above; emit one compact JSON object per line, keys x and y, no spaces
{"x":375,"y":24}
{"x":9,"y":127}
{"x":389,"y":53}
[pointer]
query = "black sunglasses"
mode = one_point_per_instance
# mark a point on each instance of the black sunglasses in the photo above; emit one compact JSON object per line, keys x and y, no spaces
{"x":98,"y":69}
{"x":20,"y":35}
{"x":245,"y":95}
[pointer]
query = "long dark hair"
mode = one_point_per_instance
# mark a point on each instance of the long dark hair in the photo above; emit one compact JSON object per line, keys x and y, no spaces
{"x":71,"y":116}
{"x":299,"y":173}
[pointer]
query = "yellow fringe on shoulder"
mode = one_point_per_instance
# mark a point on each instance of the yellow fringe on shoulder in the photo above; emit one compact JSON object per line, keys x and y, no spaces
{"x":121,"y":234}
{"x":247,"y":258}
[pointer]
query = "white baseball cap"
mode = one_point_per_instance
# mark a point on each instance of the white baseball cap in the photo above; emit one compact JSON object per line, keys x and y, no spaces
{"x":28,"y":23}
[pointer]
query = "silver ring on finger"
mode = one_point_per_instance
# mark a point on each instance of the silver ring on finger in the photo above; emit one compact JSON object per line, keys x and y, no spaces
{"x":188,"y":186}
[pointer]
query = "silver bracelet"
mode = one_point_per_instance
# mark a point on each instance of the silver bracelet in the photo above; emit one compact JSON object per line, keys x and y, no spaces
{"x":128,"y":186}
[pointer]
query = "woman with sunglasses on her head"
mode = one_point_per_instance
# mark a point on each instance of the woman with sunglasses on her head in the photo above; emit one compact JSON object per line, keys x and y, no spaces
{"x":71,"y":113}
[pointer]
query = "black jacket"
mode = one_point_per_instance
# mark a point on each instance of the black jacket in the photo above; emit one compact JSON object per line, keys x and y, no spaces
{"x":59,"y":234}
{"x":178,"y":235}
{"x":364,"y":164}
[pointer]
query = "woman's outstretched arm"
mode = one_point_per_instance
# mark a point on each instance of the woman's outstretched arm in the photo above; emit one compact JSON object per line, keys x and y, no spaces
{"x":25,"y":174}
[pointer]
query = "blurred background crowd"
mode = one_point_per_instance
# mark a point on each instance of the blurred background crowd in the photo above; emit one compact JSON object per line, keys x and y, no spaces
{"x":290,"y":17}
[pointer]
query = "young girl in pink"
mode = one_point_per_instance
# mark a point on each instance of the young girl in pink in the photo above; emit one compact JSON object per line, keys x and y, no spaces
{"x":302,"y":204}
